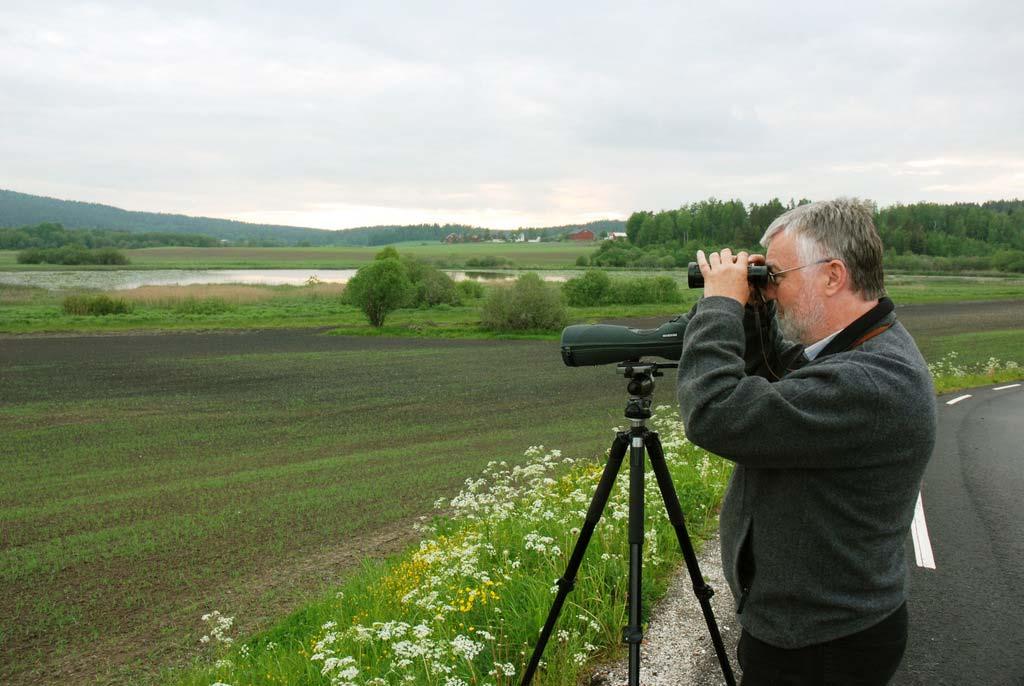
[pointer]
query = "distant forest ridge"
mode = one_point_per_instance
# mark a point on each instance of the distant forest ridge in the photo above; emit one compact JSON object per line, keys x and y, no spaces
{"x":21,"y":210}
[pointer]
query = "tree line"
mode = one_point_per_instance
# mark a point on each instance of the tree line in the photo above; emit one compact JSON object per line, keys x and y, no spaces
{"x":49,"y":235}
{"x":919,"y":235}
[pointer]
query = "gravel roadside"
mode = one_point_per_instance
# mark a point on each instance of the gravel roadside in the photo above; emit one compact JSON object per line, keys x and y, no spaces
{"x":677,"y":648}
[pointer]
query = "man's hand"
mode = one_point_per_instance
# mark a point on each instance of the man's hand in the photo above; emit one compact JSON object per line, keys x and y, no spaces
{"x":725,"y":274}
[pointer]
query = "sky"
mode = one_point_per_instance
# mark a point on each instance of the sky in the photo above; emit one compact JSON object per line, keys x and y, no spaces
{"x":339,"y":114}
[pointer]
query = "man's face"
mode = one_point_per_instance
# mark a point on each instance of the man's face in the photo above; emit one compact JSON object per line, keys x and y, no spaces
{"x":800,"y":306}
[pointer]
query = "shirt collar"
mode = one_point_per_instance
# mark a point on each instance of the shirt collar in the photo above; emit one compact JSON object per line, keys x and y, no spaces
{"x":813,"y":349}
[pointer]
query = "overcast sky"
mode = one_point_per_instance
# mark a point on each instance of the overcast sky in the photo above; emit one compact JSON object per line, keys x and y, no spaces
{"x":340,"y":114}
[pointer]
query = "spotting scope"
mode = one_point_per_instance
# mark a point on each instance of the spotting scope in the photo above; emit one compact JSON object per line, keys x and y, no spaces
{"x":584,"y":345}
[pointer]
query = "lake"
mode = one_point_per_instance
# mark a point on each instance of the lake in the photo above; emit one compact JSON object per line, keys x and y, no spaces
{"x":123,"y":279}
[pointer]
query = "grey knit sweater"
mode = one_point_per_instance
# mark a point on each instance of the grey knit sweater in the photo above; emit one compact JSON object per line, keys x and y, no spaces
{"x":829,"y":461}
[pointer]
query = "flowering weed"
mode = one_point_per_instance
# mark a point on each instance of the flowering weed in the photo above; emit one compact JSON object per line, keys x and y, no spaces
{"x":466,"y":605}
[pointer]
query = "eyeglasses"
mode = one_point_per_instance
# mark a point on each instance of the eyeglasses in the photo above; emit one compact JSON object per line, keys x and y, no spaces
{"x":774,"y":276}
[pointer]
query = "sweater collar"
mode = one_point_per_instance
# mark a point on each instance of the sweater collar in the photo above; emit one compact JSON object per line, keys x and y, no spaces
{"x":871,"y":319}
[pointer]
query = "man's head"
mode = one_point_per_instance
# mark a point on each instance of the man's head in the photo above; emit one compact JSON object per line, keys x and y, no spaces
{"x":827,"y":258}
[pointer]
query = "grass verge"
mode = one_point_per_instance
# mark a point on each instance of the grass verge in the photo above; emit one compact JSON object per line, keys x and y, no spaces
{"x":465,"y":606}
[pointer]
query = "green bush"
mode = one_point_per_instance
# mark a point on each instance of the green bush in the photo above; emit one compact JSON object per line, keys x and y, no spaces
{"x":430,"y":285}
{"x":488,"y":261}
{"x":596,"y":288}
{"x":1009,"y":261}
{"x":109,"y":256}
{"x":379,"y":288}
{"x":588,"y":290}
{"x":96,"y":305}
{"x":72,"y":255}
{"x":470,"y":289}
{"x":528,"y":305}
{"x":387,"y":253}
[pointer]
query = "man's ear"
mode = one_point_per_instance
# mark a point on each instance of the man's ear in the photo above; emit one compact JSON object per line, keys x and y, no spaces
{"x":838,"y":277}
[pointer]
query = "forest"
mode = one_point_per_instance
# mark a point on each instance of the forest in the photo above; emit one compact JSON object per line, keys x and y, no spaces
{"x":928,"y":236}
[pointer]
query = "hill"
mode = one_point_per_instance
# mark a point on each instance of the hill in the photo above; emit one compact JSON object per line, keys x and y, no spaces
{"x":21,"y":209}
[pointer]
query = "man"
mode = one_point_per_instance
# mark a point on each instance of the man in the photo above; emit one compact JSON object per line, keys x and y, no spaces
{"x":830,"y":431}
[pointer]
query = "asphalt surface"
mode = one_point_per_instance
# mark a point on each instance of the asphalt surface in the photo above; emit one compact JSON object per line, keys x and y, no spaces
{"x":965,"y":615}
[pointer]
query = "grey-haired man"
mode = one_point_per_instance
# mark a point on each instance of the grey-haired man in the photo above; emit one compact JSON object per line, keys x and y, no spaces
{"x":826,"y":406}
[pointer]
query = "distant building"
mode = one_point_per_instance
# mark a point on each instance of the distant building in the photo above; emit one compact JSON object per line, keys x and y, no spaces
{"x":461,"y":238}
{"x":584,"y":235}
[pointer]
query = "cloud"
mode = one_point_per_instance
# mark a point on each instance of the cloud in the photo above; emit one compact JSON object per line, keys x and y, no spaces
{"x":518,"y":114}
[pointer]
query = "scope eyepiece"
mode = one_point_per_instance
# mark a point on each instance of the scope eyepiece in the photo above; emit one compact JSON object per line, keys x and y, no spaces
{"x":757,"y":275}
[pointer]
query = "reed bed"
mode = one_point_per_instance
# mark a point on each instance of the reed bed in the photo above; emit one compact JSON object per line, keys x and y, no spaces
{"x":172,"y":297}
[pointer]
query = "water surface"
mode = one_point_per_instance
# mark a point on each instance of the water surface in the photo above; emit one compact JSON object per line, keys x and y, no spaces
{"x":123,"y":279}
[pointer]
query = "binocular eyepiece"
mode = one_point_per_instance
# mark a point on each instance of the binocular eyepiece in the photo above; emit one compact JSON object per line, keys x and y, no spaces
{"x":757,"y":275}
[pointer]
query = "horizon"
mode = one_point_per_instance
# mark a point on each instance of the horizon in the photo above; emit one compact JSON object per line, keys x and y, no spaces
{"x":746,"y":204}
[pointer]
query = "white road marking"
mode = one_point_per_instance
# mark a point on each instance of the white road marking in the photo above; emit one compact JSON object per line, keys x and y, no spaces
{"x":922,"y":544}
{"x":1003,"y":388}
{"x":954,"y":401}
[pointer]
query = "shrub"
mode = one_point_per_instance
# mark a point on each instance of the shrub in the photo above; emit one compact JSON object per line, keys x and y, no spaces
{"x":387,"y":253}
{"x":1009,"y":261}
{"x":430,"y":285}
{"x":582,"y":261}
{"x":32,"y":256}
{"x":436,"y":288}
{"x":470,"y":289}
{"x":379,"y":288}
{"x":488,"y":261}
{"x":528,"y":305}
{"x":588,"y":290}
{"x":71,"y":254}
{"x":660,"y":289}
{"x":96,"y":305}
{"x":108,"y":256}
{"x":596,"y":288}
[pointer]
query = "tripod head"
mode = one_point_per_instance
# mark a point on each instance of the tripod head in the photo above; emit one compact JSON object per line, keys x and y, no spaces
{"x":641,"y":387}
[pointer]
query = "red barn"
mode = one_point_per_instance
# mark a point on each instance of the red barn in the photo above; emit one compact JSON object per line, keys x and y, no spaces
{"x":584,"y":235}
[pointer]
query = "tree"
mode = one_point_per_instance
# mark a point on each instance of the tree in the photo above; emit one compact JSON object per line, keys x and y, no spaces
{"x":378,"y":289}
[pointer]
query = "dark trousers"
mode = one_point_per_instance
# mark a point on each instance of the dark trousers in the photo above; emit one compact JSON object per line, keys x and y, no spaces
{"x":867,"y":658}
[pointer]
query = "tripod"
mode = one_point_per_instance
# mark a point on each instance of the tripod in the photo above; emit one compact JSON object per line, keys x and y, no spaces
{"x":638,"y":411}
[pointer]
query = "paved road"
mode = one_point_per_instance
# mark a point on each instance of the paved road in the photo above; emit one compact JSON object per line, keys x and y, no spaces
{"x":966,"y":614}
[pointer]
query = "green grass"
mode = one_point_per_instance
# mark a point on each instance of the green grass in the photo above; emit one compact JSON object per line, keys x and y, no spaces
{"x":906,"y":290}
{"x":31,"y":310}
{"x":968,"y":360}
{"x":483,"y":576}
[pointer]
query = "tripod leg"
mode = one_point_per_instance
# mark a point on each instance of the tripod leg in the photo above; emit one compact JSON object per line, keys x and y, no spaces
{"x":632,"y":635}
{"x":568,"y":580}
{"x":675,"y":516}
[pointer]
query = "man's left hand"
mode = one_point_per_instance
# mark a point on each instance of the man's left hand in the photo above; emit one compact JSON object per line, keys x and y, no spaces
{"x":725,"y":274}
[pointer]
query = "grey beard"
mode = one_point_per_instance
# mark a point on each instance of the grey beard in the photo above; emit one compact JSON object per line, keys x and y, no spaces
{"x":795,"y":326}
{"x":790,"y":328}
